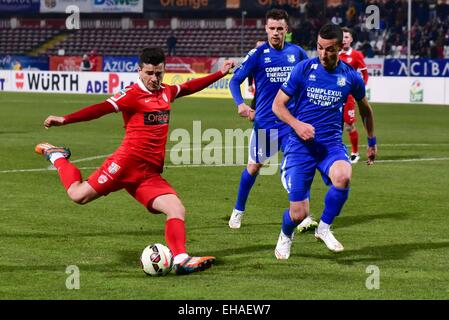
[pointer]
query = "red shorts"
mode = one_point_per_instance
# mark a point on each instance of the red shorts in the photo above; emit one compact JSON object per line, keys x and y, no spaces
{"x":139,"y":178}
{"x":349,"y":111}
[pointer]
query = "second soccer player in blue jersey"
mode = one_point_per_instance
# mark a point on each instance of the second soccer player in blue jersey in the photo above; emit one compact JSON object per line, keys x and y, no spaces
{"x":320,"y":87}
{"x":269,"y":64}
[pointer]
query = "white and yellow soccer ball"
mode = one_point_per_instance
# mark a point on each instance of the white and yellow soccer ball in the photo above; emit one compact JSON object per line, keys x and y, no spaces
{"x":156,"y":260}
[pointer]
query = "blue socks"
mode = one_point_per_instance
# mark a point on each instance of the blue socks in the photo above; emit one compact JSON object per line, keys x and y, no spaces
{"x":288,"y":226}
{"x":246,"y":183}
{"x":333,"y":203}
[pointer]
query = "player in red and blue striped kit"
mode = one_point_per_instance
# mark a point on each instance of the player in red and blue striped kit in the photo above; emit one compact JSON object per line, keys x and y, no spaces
{"x":320,"y":88}
{"x":137,"y":164}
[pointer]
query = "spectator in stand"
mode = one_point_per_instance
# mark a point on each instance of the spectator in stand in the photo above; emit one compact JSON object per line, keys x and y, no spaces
{"x":93,"y":59}
{"x":85,"y":64}
{"x":171,"y":44}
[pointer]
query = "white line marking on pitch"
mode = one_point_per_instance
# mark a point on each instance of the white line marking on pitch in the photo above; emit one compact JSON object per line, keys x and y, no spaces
{"x":50,"y":168}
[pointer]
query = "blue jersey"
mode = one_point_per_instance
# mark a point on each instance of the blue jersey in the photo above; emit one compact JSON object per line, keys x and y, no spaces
{"x":320,"y":95}
{"x":270,"y":68}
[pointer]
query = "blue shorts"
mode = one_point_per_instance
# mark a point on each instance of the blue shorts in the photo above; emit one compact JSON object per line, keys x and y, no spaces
{"x":300,"y":162}
{"x":265,"y":143}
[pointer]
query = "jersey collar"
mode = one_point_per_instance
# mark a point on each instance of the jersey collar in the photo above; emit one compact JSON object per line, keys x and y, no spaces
{"x":348,"y":53}
{"x":142,"y":86}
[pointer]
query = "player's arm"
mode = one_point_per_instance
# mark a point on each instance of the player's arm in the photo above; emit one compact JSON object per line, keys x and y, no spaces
{"x":244,"y":71}
{"x":89,"y":113}
{"x":304,"y":130}
{"x":195,"y":85}
{"x":367,"y":115}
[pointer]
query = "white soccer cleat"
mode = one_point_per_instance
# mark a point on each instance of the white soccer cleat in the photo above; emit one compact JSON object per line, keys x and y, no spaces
{"x":236,"y":219}
{"x":307,"y":224}
{"x":329,"y":240}
{"x":282,"y":251}
{"x":355,"y":157}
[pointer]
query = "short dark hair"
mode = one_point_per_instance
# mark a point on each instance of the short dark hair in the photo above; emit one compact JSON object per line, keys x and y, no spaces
{"x":276,"y":14}
{"x":331,"y":31}
{"x":152,"y":56}
{"x":346,"y":29}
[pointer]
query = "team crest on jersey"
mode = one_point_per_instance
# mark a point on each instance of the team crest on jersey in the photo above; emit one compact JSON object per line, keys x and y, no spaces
{"x":113,"y":168}
{"x":102,"y":179}
{"x":349,"y":60}
{"x":314,"y":66}
{"x":341,"y":81}
{"x":266,"y":50}
{"x":291,"y":58}
{"x":120,"y":94}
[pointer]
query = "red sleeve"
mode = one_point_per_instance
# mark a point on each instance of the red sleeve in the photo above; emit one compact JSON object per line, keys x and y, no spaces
{"x":195,"y":85}
{"x":365,"y":75}
{"x":89,"y":113}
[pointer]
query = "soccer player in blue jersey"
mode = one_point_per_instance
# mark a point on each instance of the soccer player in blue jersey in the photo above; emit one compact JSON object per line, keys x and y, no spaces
{"x":269,"y":64}
{"x":319,"y":86}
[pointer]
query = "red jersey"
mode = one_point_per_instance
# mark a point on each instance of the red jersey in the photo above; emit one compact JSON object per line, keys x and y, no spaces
{"x":146,"y":115}
{"x":356,"y":60}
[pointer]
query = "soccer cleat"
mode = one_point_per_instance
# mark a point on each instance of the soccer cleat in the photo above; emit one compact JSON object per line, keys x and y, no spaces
{"x":236,"y":219}
{"x":47,"y":150}
{"x":355,"y":157}
{"x":307,"y":224}
{"x":329,"y":240}
{"x":282,"y":251}
{"x":193,"y":264}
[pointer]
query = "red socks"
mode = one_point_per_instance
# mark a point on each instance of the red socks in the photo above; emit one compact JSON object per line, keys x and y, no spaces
{"x":175,"y":235}
{"x":354,"y":138}
{"x":67,"y":172}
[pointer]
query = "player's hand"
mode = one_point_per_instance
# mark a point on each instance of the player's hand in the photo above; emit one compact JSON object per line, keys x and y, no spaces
{"x":53,"y":121}
{"x":252,"y":115}
{"x":251,"y":89}
{"x":305,"y":131}
{"x":244,"y":110}
{"x":227,"y":65}
{"x":371,"y":155}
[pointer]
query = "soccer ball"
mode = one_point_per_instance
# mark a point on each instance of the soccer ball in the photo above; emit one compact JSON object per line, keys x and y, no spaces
{"x":156,"y":260}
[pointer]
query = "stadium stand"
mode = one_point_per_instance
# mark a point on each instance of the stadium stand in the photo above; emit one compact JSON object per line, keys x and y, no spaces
{"x":215,"y":37}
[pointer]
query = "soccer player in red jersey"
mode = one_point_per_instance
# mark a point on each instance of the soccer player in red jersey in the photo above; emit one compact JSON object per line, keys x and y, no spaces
{"x":356,"y":60}
{"x":137,"y":164}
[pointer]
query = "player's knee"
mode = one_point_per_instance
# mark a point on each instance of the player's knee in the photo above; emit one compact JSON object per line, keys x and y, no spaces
{"x":341,"y":180}
{"x":253,"y":168}
{"x":177,"y":211}
{"x":298,"y":212}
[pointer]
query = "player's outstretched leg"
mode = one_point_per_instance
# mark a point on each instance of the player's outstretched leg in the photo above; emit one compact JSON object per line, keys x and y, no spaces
{"x":59,"y":156}
{"x":47,"y":150}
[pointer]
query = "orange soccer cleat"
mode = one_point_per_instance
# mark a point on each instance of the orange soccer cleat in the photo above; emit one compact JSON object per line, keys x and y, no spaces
{"x":193,"y":264}
{"x":47,"y":150}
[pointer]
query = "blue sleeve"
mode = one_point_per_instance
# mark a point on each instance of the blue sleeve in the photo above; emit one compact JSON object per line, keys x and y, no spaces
{"x":293,"y":83}
{"x":246,"y":69}
{"x":358,"y":87}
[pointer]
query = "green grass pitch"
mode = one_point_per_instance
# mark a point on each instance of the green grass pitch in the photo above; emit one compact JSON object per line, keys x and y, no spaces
{"x":395,"y":219}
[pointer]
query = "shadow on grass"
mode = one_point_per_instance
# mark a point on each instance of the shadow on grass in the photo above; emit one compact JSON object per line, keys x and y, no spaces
{"x":346,"y":221}
{"x":397,"y":251}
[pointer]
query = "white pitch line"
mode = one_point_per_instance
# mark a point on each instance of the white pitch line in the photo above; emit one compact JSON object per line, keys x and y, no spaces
{"x":50,"y":168}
